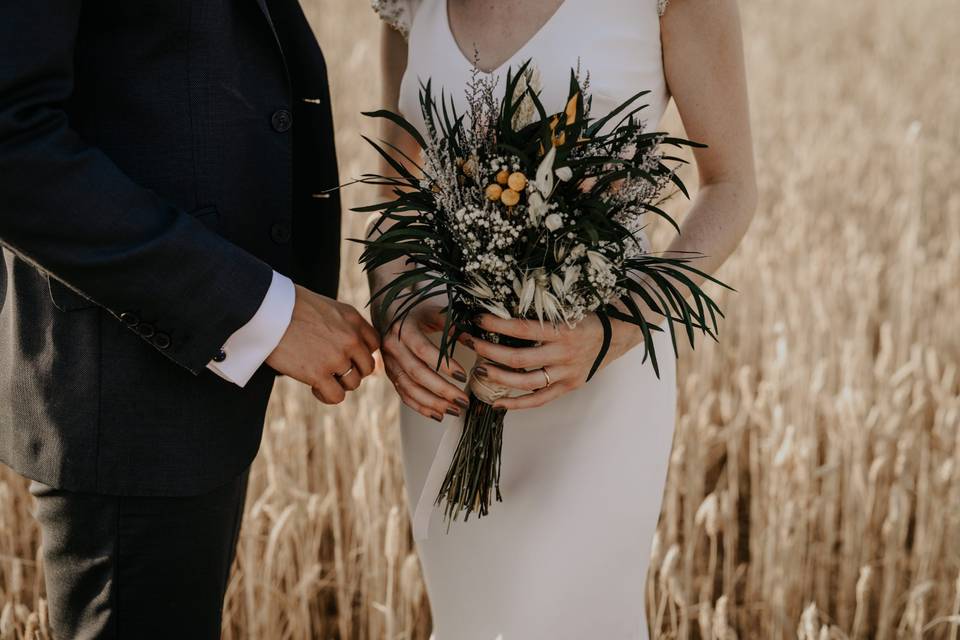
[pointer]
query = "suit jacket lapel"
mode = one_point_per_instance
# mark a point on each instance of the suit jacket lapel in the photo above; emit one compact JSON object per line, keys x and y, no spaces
{"x":265,"y":9}
{"x":266,"y":13}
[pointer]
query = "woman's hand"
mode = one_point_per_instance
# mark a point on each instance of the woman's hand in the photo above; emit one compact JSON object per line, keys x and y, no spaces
{"x":410,"y":359}
{"x":559,"y":365}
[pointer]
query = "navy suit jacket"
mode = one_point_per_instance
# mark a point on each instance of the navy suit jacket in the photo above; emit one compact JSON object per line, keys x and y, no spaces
{"x":158,"y":159}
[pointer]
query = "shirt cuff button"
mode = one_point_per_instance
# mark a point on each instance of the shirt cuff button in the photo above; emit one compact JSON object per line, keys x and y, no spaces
{"x":220,"y":356}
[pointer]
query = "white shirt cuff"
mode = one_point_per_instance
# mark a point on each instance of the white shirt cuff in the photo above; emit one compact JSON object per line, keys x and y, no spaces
{"x":248,"y":347}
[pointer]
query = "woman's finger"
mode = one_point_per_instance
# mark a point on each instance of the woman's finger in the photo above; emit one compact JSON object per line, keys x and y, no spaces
{"x":415,"y":364}
{"x":405,"y":386}
{"x":519,"y":357}
{"x":428,"y":352}
{"x":533,"y":400}
{"x":432,"y":405}
{"x":413,"y":404}
{"x":518,"y":328}
{"x":532,"y":380}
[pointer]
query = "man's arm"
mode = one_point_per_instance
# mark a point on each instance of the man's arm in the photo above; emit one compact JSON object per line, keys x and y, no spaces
{"x":250,"y":345}
{"x":66,"y":207}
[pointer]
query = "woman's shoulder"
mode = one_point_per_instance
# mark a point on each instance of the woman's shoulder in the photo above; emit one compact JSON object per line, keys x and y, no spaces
{"x":397,"y":13}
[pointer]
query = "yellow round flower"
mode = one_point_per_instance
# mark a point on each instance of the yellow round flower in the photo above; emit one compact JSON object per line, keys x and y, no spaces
{"x":502,"y":176}
{"x":493,"y":192}
{"x":517,"y":181}
{"x":509,"y":197}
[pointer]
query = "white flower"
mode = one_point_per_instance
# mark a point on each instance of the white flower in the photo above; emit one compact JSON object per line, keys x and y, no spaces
{"x":598,"y":260}
{"x":556,"y":283}
{"x":553,"y":221}
{"x":564,"y":173}
{"x":571,"y":275}
{"x":544,"y":181}
{"x":546,"y":304}
{"x":526,"y":295}
{"x":480,"y":289}
{"x":536,"y":207}
{"x":496,"y":309}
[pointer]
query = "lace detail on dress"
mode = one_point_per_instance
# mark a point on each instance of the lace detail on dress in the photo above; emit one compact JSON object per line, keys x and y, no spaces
{"x":396,"y":13}
{"x":662,"y":6}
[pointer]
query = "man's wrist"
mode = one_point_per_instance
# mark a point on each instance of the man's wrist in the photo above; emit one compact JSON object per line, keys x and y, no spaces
{"x":252,"y":344}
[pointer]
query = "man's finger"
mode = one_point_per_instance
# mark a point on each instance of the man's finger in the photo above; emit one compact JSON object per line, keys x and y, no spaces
{"x":351,"y":381}
{"x":328,"y":390}
{"x":364,"y":361}
{"x":370,"y":335}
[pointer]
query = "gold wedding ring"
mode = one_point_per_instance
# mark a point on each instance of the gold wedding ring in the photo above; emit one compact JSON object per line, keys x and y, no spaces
{"x":546,"y":376}
{"x":344,"y":374}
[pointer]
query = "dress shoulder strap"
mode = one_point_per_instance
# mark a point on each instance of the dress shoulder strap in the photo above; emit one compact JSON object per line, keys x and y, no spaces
{"x":398,"y":13}
{"x":662,"y":6}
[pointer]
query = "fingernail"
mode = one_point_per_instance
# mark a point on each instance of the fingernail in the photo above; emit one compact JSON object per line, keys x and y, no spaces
{"x":437,"y":417}
{"x":481,"y":371}
{"x":463,"y":404}
{"x":459,"y":375}
{"x":454,"y":412}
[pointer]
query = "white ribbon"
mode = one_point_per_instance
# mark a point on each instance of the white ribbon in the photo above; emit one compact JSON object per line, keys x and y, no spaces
{"x":487,"y":392}
{"x":431,"y":486}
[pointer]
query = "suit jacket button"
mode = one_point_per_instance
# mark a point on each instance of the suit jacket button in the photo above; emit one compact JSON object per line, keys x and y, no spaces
{"x":146,"y":330}
{"x":161,"y":340}
{"x":281,"y":120}
{"x":280,"y":232}
{"x":220,"y":356}
{"x":130,"y":319}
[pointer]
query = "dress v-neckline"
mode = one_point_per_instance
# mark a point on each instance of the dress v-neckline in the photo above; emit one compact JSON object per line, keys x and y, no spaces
{"x":536,"y":34}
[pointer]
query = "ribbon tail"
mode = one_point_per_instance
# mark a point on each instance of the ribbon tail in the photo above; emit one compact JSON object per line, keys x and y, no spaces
{"x":435,"y":476}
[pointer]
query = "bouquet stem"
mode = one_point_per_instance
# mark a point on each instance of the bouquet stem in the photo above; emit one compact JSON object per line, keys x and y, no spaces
{"x":472,"y":482}
{"x":473,"y":479}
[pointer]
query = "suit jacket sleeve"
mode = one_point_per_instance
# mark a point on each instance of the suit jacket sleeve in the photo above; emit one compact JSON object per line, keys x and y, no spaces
{"x":65,"y":207}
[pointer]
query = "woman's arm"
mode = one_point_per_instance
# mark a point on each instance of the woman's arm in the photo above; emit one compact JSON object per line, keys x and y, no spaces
{"x":703,"y":64}
{"x":409,"y":356}
{"x":393,"y":63}
{"x":704,"y":68}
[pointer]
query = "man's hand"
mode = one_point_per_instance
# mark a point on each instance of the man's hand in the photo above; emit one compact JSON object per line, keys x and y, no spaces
{"x":326,"y":339}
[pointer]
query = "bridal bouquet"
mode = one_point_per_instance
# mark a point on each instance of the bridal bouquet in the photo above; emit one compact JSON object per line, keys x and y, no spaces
{"x":526,"y":214}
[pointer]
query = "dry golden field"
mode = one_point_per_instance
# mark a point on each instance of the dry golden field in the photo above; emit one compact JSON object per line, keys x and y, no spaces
{"x":815,"y":485}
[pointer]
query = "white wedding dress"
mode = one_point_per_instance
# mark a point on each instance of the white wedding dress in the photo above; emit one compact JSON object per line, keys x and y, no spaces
{"x":565,"y":555}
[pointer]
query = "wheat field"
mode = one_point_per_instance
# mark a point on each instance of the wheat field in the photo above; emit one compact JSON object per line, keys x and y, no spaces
{"x":814,"y":489}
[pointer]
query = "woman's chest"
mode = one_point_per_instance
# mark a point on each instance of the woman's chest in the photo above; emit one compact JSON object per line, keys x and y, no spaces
{"x":517,"y":22}
{"x":614,"y":43}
